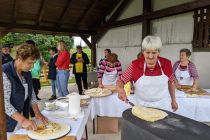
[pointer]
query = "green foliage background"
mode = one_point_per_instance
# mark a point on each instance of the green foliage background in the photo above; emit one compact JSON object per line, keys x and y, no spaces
{"x":43,"y":42}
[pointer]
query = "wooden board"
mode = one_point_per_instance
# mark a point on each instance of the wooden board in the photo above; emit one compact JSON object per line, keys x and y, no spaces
{"x":25,"y":137}
{"x":199,"y":91}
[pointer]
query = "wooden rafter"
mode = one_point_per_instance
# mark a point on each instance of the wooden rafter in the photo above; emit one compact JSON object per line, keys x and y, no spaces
{"x":119,"y":10}
{"x":183,"y":8}
{"x":45,"y":28}
{"x":114,"y":16}
{"x":146,"y":22}
{"x":41,"y":11}
{"x":84,"y":38}
{"x":64,"y":13}
{"x":86,"y":13}
{"x":15,"y":7}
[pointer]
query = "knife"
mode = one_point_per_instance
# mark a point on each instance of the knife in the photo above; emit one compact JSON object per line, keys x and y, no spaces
{"x":130,"y":103}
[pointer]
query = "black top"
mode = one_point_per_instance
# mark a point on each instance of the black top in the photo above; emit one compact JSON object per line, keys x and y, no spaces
{"x":173,"y":127}
{"x":6,"y":58}
{"x":52,"y":68}
{"x":18,"y":93}
{"x":74,"y":61}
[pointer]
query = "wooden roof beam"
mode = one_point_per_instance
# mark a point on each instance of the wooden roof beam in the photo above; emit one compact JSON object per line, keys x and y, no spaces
{"x":183,"y":8}
{"x":86,"y":40}
{"x":15,"y":8}
{"x":46,"y":28}
{"x":68,"y":4}
{"x":86,"y":13}
{"x":114,"y":16}
{"x":41,"y":11}
{"x":119,"y":10}
{"x":146,"y":22}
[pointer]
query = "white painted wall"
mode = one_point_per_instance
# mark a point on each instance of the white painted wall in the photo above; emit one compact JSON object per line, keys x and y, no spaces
{"x":201,"y":60}
{"x":174,"y":29}
{"x":124,"y":41}
{"x":160,"y":4}
{"x":176,"y":32}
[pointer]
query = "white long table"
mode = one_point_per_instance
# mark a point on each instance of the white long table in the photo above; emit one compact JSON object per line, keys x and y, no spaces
{"x":196,"y":108}
{"x":77,"y":127}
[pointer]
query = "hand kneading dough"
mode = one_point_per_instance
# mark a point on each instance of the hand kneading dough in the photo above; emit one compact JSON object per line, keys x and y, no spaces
{"x":148,"y":114}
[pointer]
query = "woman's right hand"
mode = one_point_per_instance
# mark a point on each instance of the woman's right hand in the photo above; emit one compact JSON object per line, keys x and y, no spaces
{"x":122,"y":94}
{"x":28,"y":124}
{"x":100,"y":86}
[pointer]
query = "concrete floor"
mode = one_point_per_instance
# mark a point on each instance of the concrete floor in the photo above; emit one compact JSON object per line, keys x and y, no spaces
{"x":45,"y":94}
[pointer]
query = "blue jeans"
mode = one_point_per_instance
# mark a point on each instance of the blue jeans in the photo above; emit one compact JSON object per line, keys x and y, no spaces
{"x":53,"y":86}
{"x":62,"y":82}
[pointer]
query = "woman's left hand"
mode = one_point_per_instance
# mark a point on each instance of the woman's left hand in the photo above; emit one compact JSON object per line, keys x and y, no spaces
{"x":41,"y":117}
{"x":174,"y":106}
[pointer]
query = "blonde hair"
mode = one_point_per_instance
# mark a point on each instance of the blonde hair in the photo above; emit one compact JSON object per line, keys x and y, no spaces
{"x":25,"y":51}
{"x":151,"y":43}
{"x":63,"y":46}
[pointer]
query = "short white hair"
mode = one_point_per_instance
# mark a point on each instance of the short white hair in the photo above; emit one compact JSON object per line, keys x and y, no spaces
{"x":151,"y":43}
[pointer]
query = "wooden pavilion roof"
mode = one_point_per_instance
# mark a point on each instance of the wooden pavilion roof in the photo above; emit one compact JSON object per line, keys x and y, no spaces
{"x":54,"y":16}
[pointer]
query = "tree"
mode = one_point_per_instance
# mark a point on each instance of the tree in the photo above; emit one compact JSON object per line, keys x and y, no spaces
{"x":43,"y":42}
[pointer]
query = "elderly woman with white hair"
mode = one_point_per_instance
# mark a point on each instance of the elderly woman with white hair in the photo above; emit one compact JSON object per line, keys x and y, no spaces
{"x":152,"y":76}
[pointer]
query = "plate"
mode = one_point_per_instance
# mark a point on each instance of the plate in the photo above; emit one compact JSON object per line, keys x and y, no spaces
{"x":98,"y":92}
{"x":59,"y":130}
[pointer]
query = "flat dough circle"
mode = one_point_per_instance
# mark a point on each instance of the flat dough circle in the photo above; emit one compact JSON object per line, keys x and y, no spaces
{"x":53,"y":131}
{"x":148,"y":114}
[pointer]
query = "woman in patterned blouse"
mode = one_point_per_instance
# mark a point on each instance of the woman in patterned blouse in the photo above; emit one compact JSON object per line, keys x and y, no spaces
{"x":109,"y":70}
{"x":185,"y":72}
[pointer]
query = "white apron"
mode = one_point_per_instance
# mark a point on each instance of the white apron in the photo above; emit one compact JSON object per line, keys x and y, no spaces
{"x":184,"y":77}
{"x":152,"y":91}
{"x":110,"y":78}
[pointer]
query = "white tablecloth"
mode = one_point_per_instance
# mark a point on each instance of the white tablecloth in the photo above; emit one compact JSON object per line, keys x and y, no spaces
{"x":77,"y":127}
{"x":196,"y":108}
{"x":110,"y":106}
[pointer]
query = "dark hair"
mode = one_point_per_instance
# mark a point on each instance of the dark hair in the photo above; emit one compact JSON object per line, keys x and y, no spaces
{"x":30,"y":42}
{"x":112,"y":57}
{"x":108,"y":50}
{"x":54,"y":49}
{"x":187,"y":51}
{"x":7,"y":46}
{"x":25,"y":51}
{"x":79,"y":47}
